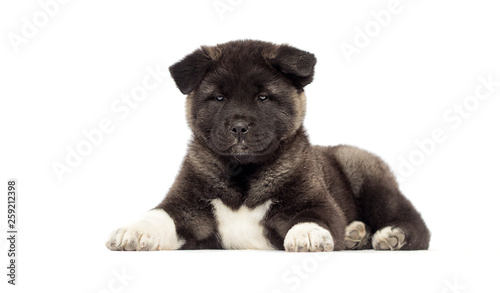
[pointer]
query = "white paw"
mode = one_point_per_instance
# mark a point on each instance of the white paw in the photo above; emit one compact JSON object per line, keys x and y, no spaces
{"x":308,"y":237}
{"x":392,"y":238}
{"x":356,"y":235}
{"x":155,"y":231}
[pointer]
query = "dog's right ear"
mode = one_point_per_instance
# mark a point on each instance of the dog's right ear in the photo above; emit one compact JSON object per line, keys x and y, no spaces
{"x":189,"y":72}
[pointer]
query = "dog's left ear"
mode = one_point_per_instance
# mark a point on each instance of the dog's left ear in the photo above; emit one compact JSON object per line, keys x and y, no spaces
{"x":296,"y":64}
{"x":189,"y":72}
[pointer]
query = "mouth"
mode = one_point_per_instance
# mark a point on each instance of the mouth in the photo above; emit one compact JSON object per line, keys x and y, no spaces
{"x":245,"y":149}
{"x":250,"y":148}
{"x":239,"y":148}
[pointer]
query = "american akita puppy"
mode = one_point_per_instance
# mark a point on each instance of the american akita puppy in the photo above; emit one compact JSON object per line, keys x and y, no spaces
{"x":252,"y":180}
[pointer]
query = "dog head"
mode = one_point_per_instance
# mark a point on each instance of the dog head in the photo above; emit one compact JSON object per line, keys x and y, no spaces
{"x":244,"y":98}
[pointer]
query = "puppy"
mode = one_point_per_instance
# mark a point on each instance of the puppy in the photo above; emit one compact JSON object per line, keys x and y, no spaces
{"x":252,"y":180}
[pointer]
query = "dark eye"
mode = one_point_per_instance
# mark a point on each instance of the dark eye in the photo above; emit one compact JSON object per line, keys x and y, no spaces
{"x":262,"y":97}
{"x":219,"y":98}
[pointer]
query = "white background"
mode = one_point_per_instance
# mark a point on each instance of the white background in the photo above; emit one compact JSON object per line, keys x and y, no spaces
{"x":66,"y":76}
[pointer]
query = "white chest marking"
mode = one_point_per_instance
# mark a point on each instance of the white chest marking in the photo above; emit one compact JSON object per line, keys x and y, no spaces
{"x":242,"y":229}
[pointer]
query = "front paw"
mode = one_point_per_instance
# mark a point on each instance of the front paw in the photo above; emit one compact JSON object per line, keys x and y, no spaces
{"x":138,"y":236}
{"x":155,"y":231}
{"x":308,"y":237}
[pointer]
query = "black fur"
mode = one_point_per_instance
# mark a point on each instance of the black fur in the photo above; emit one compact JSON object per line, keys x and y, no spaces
{"x":273,"y":159}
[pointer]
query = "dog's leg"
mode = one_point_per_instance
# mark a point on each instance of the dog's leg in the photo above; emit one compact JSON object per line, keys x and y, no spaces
{"x":320,"y":227}
{"x":397,"y":223}
{"x":383,"y":207}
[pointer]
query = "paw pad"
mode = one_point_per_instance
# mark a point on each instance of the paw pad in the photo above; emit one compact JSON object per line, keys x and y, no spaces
{"x":356,"y":235}
{"x":389,"y":238}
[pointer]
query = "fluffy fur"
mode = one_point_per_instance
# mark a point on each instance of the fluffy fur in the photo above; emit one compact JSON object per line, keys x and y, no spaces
{"x":251,"y":169}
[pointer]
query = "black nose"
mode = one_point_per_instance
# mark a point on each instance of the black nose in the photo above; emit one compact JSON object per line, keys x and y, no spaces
{"x":239,"y":129}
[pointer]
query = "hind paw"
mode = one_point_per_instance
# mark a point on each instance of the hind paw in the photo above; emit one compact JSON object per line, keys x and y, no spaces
{"x":389,"y":238}
{"x":356,"y":235}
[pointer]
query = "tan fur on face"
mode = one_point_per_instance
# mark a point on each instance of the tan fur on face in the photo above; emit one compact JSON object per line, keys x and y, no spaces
{"x":299,"y":101}
{"x":189,"y":109}
{"x":300,"y":107}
